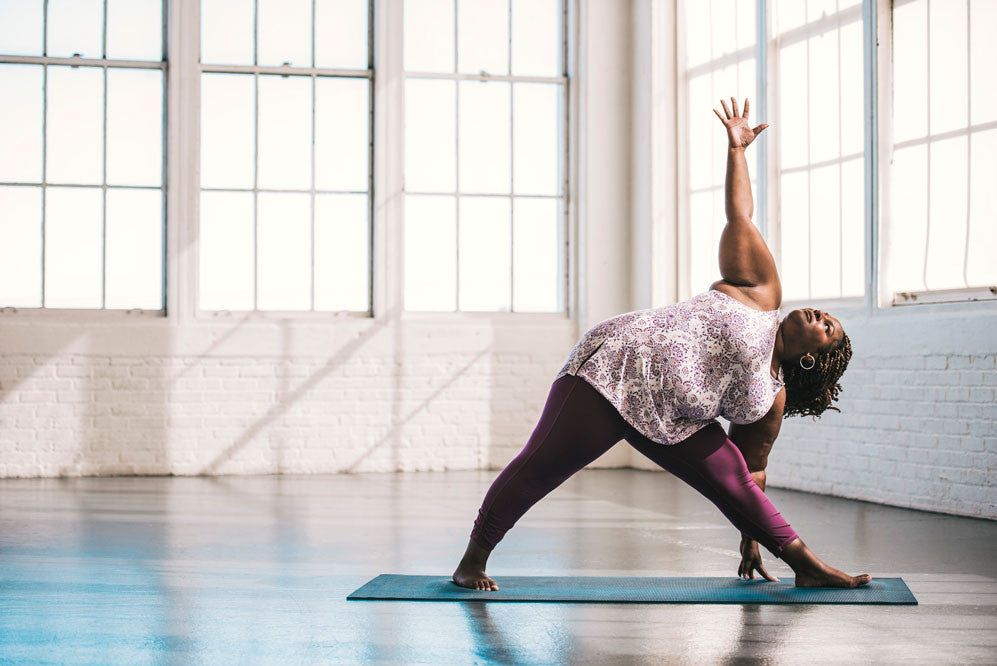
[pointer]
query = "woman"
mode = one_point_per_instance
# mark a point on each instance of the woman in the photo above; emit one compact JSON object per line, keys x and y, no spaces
{"x":659,"y":378}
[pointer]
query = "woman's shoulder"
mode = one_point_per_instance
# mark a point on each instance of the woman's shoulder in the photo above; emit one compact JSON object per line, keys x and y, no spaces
{"x":763,"y":298}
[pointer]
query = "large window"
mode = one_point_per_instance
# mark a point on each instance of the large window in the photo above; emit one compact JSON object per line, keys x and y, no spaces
{"x":816,"y":195}
{"x":943,"y":233}
{"x":285,"y":155}
{"x":811,"y":74}
{"x":81,"y":154}
{"x":485,"y":120}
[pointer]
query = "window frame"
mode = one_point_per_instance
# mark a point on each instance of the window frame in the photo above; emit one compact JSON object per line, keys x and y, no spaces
{"x":103,"y":63}
{"x":256,"y":70}
{"x":564,"y":291}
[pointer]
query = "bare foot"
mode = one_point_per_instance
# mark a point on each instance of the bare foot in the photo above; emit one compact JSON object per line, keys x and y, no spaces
{"x":471,"y":570}
{"x":812,"y":572}
{"x":473,"y":578}
{"x":830,"y":577}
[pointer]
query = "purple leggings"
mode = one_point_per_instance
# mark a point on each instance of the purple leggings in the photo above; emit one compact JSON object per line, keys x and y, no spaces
{"x":579,"y":424}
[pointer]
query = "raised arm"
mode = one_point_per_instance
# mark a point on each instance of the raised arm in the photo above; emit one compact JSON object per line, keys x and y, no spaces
{"x":745,"y":260}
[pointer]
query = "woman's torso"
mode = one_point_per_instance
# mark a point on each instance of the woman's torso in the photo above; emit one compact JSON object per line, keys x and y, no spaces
{"x":672,"y":370}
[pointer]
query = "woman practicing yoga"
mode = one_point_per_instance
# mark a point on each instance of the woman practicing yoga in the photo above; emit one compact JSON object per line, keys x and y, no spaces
{"x":658,"y":378}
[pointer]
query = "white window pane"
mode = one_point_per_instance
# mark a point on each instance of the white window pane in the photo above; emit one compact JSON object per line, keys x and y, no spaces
{"x":981,"y":269}
{"x":284,"y":251}
{"x":342,"y":112}
{"x":852,"y":90}
{"x":21,"y":123}
{"x":702,"y":126}
{"x":227,"y":109}
{"x":225,"y":248}
{"x":794,"y":225}
{"x":75,"y":26}
{"x":430,"y":136}
{"x":536,"y":37}
{"x":285,"y":32}
{"x":20,"y":247}
{"x":723,"y":18}
{"x":853,"y":227}
{"x":789,"y":14}
{"x":825,"y":233}
{"x":134,"y":126}
{"x":793,"y":138}
{"x":483,"y":36}
{"x":910,"y":70}
{"x":947,"y":235}
{"x":135,"y":29}
{"x":702,"y":255}
{"x":745,"y":26}
{"x":817,"y":9}
{"x":75,"y":143}
{"x":824,"y":96}
{"x":746,"y":88}
{"x":73,"y":247}
{"x":538,"y":255}
{"x":341,"y":34}
{"x":909,"y":219}
{"x":983,"y":49}
{"x":538,"y":127}
{"x":725,"y":85}
{"x":947,"y":66}
{"x":227,"y":32}
{"x":430,"y":253}
{"x":485,"y":254}
{"x":342,"y":252}
{"x":285,"y":132}
{"x":134,"y":249}
{"x":697,"y":31}
{"x":21,"y":27}
{"x":484,"y":137}
{"x":429,"y":35}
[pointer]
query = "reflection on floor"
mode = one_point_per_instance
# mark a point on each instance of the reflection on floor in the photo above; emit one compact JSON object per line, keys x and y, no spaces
{"x":257,"y":569}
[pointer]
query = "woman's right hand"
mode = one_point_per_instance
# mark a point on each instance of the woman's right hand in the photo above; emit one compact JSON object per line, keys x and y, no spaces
{"x":739,"y":133}
{"x":751,"y":560}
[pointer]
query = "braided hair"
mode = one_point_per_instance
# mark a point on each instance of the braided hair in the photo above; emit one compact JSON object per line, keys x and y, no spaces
{"x":811,"y":392}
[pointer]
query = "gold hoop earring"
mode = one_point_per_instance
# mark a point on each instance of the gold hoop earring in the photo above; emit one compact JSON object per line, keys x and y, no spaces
{"x":808,"y":367}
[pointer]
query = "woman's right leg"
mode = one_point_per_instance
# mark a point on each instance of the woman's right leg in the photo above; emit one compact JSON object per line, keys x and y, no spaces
{"x":577,"y":426}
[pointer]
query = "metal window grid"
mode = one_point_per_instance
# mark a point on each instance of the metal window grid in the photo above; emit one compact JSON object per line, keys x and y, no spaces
{"x":484,"y":76}
{"x":287,"y":70}
{"x":104,"y":63}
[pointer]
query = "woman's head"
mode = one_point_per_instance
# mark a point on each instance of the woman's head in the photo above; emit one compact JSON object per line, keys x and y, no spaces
{"x":814,"y":338}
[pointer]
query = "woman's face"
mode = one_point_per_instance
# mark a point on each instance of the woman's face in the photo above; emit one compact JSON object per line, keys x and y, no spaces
{"x":813,"y":329}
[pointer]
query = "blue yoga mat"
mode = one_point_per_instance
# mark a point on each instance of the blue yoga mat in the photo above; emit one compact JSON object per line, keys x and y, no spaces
{"x":646,"y":590}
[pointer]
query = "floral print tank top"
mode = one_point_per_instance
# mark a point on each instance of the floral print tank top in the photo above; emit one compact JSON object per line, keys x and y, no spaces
{"x":670,"y":371}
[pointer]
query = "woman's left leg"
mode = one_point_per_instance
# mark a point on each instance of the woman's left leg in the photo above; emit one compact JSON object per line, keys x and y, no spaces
{"x":711,"y":463}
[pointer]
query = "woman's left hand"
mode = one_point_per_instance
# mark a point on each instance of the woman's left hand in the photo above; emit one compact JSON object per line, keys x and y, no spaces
{"x":751,"y":560}
{"x":739,"y":133}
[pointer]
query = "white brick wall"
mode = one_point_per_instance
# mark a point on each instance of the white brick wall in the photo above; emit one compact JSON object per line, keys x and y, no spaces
{"x":98,"y":415}
{"x":917,"y":431}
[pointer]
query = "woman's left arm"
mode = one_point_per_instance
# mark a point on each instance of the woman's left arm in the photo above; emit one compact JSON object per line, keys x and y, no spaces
{"x":745,"y":259}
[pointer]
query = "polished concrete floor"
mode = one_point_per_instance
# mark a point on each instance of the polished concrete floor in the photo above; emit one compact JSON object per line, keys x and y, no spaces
{"x":256,"y":570}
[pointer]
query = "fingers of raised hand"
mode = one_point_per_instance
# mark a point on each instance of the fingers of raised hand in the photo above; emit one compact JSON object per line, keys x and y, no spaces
{"x":733,"y":104}
{"x":719,"y":116}
{"x":758,"y":130}
{"x":746,"y":107}
{"x":723,"y":102}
